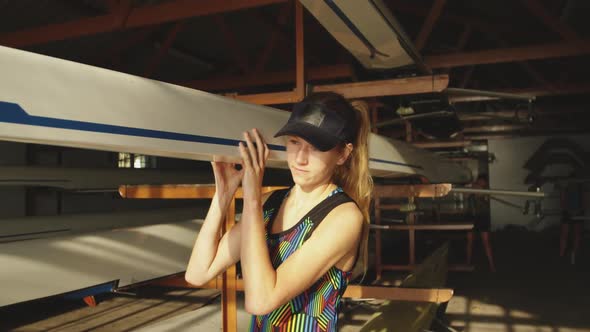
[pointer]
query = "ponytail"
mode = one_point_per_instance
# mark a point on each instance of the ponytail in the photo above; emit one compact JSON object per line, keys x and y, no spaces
{"x":355,"y":179}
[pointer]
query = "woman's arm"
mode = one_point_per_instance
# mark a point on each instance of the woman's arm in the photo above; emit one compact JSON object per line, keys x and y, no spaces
{"x":211,"y":256}
{"x":337,"y":236}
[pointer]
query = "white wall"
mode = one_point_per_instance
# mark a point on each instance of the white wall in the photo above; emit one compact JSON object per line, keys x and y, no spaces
{"x":507,"y":172}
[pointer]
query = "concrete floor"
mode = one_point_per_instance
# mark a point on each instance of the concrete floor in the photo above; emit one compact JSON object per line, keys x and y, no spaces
{"x":533,"y":291}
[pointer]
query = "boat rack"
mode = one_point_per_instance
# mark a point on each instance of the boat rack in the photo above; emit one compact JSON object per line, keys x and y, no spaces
{"x":228,"y":283}
{"x":411,"y":192}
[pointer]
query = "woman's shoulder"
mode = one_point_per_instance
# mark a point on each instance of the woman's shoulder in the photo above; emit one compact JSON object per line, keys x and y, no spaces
{"x":348,"y":211}
{"x":345,"y":219}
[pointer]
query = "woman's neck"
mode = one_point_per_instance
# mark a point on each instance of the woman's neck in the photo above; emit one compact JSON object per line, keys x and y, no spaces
{"x":303,"y":196}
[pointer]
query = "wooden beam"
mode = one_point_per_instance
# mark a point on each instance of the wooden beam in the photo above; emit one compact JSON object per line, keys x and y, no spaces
{"x":424,"y":227}
{"x":274,"y":37}
{"x":285,"y":77}
{"x":434,"y":145}
{"x":141,"y":16}
{"x":399,"y":293}
{"x":104,"y":59}
{"x":411,"y":220}
{"x":238,"y":55}
{"x":514,"y":54}
{"x":494,"y":128}
{"x":464,"y":38}
{"x":412,"y":190}
{"x":157,"y":58}
{"x":532,"y":72}
{"x":188,"y":191}
{"x":229,"y":304}
{"x":299,"y":52}
{"x":429,"y":23}
{"x":552,"y":22}
{"x":418,"y":9}
{"x":460,"y":47}
{"x":409,"y":131}
{"x":393,"y":87}
{"x":271,"y":98}
{"x":562,"y":90}
{"x":529,"y":133}
{"x":566,"y":89}
{"x":435,"y":295}
{"x":396,"y":207}
{"x":411,"y":267}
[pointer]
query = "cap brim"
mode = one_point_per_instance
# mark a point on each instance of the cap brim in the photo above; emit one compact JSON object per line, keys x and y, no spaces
{"x":315,"y":136}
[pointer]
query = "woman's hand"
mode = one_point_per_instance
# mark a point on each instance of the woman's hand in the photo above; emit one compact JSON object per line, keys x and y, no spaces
{"x":253,"y":161}
{"x":227,"y":180}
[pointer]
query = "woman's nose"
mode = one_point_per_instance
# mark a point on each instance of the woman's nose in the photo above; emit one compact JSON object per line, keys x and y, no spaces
{"x":302,"y":155}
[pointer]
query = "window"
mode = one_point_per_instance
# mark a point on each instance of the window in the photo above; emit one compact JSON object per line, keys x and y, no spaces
{"x":131,"y":160}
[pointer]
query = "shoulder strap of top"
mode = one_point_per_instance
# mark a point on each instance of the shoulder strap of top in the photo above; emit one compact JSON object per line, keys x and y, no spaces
{"x":320,"y":212}
{"x":275,"y":199}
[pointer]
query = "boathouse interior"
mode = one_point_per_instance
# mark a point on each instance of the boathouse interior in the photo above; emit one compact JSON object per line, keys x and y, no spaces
{"x":496,"y":88}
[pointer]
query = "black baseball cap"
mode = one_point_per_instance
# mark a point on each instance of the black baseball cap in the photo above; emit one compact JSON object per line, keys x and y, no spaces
{"x":322,"y":127}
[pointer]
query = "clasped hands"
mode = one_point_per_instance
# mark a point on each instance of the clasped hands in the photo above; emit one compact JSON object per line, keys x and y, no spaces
{"x":254,"y":153}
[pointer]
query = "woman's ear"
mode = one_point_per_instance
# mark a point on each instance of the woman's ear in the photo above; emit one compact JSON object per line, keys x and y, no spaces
{"x":345,"y":154}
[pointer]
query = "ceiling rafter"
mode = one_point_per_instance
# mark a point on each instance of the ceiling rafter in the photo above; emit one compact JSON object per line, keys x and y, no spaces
{"x":113,"y":55}
{"x":561,"y":90}
{"x":510,"y":54}
{"x":467,"y":76}
{"x":420,"y":10}
{"x":341,"y":71}
{"x":527,"y":67}
{"x":155,"y":61}
{"x":552,"y":22}
{"x":392,"y":87}
{"x":139,"y":16}
{"x":274,"y":37}
{"x":231,"y":41}
{"x":461,"y":43}
{"x":544,"y":111}
{"x":429,"y":23}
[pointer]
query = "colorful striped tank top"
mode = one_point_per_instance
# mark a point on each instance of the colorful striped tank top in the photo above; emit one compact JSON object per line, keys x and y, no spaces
{"x":316,"y":309}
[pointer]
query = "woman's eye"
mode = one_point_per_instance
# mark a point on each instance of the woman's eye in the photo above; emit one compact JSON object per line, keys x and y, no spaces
{"x":292,"y":141}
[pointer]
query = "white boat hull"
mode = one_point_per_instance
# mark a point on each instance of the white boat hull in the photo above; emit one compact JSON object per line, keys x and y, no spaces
{"x":70,"y":104}
{"x":367,"y":29}
{"x":44,"y":267}
{"x":94,"y":179}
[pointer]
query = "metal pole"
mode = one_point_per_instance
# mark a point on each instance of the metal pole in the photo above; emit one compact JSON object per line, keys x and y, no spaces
{"x":498,"y":192}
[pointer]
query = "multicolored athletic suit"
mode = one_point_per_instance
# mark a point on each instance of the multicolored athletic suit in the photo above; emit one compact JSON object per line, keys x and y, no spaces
{"x":316,"y":309}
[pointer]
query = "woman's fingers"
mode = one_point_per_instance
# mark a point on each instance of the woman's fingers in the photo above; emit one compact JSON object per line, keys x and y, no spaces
{"x":245,"y":155}
{"x":261,"y":147}
{"x":251,"y":150}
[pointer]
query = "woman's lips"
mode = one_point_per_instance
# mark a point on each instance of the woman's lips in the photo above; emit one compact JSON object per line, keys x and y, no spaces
{"x":299,"y":170}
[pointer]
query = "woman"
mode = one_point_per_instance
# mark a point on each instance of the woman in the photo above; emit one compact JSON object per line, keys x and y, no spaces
{"x":297,"y":247}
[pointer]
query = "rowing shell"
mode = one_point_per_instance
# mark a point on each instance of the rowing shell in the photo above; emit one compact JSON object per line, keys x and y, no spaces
{"x":46,"y":100}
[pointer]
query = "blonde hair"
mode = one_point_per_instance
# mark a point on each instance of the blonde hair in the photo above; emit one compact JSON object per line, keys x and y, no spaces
{"x":355,"y":179}
{"x":353,"y":176}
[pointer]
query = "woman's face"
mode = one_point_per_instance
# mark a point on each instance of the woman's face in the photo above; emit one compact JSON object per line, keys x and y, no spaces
{"x":310,"y":166}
